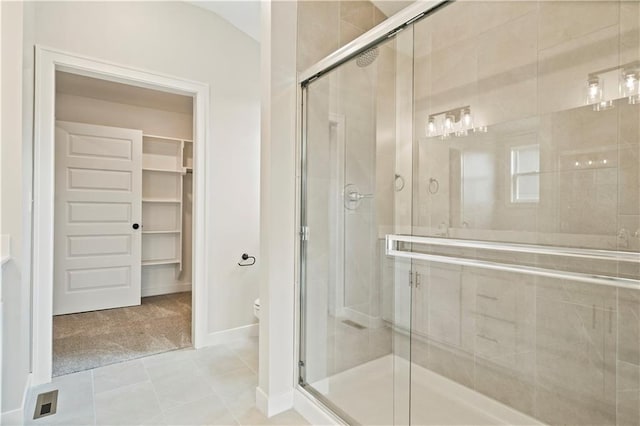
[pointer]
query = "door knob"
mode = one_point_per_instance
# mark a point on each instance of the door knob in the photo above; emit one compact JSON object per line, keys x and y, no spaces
{"x":136,"y":226}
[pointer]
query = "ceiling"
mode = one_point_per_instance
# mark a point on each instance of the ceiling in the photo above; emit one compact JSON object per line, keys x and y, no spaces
{"x":242,"y":14}
{"x":78,"y":85}
{"x":245,"y":14}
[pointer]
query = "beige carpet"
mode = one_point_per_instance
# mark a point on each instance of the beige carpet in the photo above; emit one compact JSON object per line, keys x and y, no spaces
{"x":93,"y":339}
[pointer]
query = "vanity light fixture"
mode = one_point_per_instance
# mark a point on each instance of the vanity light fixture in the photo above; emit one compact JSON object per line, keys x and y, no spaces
{"x":595,"y":94}
{"x":591,"y":163}
{"x":454,"y":122}
{"x":629,"y":85}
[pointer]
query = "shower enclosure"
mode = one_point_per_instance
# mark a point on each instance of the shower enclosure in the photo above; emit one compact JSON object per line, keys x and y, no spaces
{"x":470,"y":218}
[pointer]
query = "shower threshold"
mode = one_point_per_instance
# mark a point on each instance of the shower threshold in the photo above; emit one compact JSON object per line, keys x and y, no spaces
{"x":371,"y":393}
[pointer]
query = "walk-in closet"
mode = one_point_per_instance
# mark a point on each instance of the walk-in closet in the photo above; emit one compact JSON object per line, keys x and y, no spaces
{"x":123,"y":222}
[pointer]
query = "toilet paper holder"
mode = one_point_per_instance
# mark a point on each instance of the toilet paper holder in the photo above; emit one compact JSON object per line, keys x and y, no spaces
{"x":246,"y":257}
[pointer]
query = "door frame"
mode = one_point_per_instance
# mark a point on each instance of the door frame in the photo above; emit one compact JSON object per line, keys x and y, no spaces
{"x":47,"y":62}
{"x":339,"y":121}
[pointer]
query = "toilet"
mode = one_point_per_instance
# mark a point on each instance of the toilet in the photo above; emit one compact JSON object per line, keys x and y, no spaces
{"x":256,"y":308}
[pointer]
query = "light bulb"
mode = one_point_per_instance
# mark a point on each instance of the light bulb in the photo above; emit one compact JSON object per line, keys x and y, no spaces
{"x":630,"y":85}
{"x":594,"y":90}
{"x":449,"y":124}
{"x":431,"y":128}
{"x":466,"y":122}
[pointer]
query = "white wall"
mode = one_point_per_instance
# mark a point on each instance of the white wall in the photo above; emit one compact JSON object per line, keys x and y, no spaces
{"x":185,"y":41}
{"x":277,"y":203}
{"x":172,"y":38}
{"x":106,"y":113}
{"x":16,"y":291}
{"x":1,"y":235}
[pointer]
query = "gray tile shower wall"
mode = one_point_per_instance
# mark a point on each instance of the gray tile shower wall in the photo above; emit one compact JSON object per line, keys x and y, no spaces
{"x":563,"y":352}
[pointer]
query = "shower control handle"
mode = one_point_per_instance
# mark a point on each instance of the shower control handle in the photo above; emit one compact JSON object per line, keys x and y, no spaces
{"x":352,"y":196}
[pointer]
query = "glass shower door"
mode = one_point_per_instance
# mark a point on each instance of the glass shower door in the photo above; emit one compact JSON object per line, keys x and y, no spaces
{"x":526,"y":211}
{"x":470,"y":248}
{"x":356,"y":186}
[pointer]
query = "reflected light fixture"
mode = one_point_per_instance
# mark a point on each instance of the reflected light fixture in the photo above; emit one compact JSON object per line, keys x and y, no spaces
{"x":454,"y":122}
{"x":631,"y":85}
{"x":590,"y":163}
{"x":594,"y":90}
{"x":603,"y":105}
{"x":431,"y":128}
{"x":449,"y":125}
{"x":466,"y":122}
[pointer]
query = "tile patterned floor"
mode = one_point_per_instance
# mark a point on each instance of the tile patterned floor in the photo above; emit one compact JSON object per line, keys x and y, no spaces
{"x":209,"y":386}
{"x":94,"y":339}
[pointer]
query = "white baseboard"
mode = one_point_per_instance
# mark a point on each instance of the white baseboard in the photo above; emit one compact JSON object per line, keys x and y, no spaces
{"x":363,"y":319}
{"x":262,"y":401}
{"x":27,"y":392}
{"x":158,"y":290}
{"x":312,"y":411}
{"x":227,"y":336}
{"x":16,"y":417}
{"x":270,"y":406}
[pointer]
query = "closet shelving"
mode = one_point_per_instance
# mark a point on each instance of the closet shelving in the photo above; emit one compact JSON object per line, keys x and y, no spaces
{"x":187,"y":159}
{"x":165,"y":161}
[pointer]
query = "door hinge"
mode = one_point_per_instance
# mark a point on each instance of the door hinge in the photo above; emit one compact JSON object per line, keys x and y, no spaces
{"x":304,"y":233}
{"x":301,"y":373}
{"x":413,"y":280}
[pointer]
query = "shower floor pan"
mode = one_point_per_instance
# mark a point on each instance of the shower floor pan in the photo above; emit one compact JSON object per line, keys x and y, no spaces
{"x":367,"y":394}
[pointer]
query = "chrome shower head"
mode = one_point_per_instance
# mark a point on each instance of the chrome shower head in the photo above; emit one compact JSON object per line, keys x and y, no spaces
{"x":367,"y":57}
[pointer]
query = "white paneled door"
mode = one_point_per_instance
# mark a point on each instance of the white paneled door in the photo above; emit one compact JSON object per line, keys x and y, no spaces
{"x":98,"y":200}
